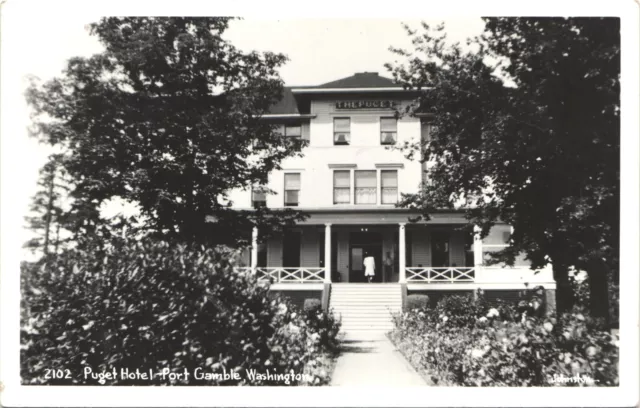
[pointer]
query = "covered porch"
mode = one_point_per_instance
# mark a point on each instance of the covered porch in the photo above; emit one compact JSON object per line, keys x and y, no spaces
{"x":444,"y":253}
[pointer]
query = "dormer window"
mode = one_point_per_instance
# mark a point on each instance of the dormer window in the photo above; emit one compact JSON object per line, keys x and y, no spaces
{"x":341,"y":131}
{"x":388,"y":131}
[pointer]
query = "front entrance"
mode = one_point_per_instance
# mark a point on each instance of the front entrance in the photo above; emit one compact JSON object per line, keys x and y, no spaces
{"x":361,"y":245}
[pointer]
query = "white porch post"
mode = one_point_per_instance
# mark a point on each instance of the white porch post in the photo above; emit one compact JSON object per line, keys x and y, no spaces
{"x":327,"y":253}
{"x":254,"y":250}
{"x":477,"y":252}
{"x":402,"y":254}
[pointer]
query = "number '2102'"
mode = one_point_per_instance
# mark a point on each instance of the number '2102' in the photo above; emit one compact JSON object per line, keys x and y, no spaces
{"x":55,"y":374}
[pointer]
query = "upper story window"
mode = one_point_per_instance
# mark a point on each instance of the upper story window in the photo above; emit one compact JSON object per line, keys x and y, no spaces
{"x":258,"y":197}
{"x":365,"y":186}
{"x":388,"y":131}
{"x":342,"y":187}
{"x":291,"y":189}
{"x":389,"y":185}
{"x":341,"y":131}
{"x":293,"y":131}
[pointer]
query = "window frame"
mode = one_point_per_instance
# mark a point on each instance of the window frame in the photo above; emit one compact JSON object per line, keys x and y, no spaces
{"x":299,"y":126}
{"x":348,"y":142}
{"x":284,"y":185}
{"x":347,"y":188}
{"x":395,"y":132}
{"x":253,"y":201}
{"x":382,"y":187}
{"x":355,"y":187}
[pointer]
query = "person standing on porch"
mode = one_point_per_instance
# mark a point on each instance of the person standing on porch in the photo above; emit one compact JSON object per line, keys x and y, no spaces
{"x":388,"y":267}
{"x":369,"y":267}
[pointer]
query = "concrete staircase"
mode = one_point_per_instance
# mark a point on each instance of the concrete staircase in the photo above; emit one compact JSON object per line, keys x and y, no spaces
{"x":365,"y":308}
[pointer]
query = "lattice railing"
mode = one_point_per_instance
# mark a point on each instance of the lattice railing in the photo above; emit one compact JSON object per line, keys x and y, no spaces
{"x":451,"y":274}
{"x":284,"y":275}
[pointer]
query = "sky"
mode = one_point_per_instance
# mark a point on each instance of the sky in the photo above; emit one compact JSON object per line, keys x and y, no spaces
{"x":319,"y":50}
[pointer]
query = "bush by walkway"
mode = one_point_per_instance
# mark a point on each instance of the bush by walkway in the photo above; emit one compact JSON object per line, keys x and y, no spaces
{"x":467,"y":342}
{"x":159,"y":307}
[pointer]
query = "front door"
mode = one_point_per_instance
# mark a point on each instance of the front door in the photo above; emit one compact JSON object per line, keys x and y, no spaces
{"x":363,"y":245}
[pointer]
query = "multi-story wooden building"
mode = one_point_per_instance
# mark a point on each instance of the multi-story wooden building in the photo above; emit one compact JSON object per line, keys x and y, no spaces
{"x":348,"y":180}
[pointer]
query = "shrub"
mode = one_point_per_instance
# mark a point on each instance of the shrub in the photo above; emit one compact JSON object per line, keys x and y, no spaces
{"x":324,"y":324}
{"x":494,"y":351}
{"x":154,"y":305}
{"x":312,"y":305}
{"x":460,"y":310}
{"x":417,"y":301}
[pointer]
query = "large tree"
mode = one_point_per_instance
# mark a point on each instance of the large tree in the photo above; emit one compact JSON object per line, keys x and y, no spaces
{"x":526,"y":130}
{"x":167,"y":117}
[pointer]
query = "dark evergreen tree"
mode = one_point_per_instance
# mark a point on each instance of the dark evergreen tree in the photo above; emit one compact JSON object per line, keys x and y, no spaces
{"x":46,"y":216}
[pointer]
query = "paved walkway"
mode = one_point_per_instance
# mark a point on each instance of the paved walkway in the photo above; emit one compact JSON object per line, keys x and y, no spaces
{"x":373,"y":362}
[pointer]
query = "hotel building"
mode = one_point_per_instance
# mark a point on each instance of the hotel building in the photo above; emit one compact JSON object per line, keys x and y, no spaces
{"x":348,"y":180}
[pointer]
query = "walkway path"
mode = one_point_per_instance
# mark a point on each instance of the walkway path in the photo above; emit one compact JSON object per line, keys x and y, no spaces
{"x":374,"y":362}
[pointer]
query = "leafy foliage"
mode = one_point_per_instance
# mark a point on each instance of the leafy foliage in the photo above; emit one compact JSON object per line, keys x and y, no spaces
{"x":167,"y":117}
{"x":154,"y":305}
{"x":492,"y":350}
{"x":312,"y":305}
{"x":325,"y":324}
{"x":525,"y":129}
{"x":417,"y":301}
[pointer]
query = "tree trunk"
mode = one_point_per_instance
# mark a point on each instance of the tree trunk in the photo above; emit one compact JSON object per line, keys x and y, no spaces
{"x":57,"y":243}
{"x":564,"y":292}
{"x":49,"y":215}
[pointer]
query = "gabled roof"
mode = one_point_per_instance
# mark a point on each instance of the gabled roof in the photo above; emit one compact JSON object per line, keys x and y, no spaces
{"x":361,"y":80}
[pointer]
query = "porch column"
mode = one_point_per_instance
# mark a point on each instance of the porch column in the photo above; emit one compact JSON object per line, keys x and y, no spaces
{"x":477,"y":251}
{"x":327,"y":253}
{"x":254,"y":250}
{"x":402,"y":254}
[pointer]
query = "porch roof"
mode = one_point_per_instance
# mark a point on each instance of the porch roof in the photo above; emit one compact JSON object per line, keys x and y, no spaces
{"x":376,"y":215}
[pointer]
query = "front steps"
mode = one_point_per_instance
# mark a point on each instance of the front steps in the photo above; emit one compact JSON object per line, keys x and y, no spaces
{"x":365,"y":308}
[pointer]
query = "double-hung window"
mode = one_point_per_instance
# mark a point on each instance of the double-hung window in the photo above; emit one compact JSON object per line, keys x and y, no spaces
{"x":341,"y":131}
{"x":342,"y":187}
{"x":291,"y":189}
{"x":258,"y":197}
{"x":293,"y":131}
{"x":365,"y":186}
{"x":388,"y":131}
{"x":389,"y":186}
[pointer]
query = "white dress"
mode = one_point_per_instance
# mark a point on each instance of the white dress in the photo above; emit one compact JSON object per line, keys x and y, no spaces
{"x":369,"y":266}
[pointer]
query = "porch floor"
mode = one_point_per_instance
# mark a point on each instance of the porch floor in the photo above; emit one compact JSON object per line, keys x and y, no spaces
{"x":374,"y":362}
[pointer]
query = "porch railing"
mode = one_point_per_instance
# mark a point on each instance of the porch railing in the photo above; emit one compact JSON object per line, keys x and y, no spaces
{"x":284,"y":275}
{"x":451,"y":274}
